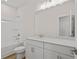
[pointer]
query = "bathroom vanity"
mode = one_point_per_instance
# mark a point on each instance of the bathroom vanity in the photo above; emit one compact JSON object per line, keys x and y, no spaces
{"x":49,"y":48}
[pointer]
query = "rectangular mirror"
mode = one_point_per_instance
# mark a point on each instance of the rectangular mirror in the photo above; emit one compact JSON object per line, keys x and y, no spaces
{"x":67,"y":26}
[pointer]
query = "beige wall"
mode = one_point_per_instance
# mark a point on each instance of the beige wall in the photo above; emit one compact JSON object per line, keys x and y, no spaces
{"x":47,"y":20}
{"x":8,"y":27}
{"x":44,"y":22}
{"x":8,"y":12}
{"x":26,"y":20}
{"x":27,"y":17}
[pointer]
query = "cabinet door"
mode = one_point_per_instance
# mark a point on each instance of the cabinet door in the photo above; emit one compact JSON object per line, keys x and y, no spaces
{"x":65,"y":57}
{"x":50,"y":54}
{"x":33,"y":52}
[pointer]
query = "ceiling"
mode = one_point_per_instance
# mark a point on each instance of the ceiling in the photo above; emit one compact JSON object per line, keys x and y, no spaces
{"x":20,"y":3}
{"x":14,"y":3}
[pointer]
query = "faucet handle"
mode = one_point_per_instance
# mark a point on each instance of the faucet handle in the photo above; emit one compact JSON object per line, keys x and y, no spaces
{"x":74,"y":51}
{"x":18,"y":35}
{"x":41,"y":35}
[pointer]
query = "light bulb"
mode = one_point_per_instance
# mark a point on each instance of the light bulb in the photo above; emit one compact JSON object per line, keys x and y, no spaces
{"x":5,"y":0}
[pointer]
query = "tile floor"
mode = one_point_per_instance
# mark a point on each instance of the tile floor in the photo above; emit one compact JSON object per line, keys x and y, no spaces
{"x":13,"y":56}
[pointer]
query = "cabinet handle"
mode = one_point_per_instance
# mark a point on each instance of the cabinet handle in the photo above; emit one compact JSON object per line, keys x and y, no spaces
{"x":58,"y":57}
{"x":32,"y":49}
{"x":74,"y":51}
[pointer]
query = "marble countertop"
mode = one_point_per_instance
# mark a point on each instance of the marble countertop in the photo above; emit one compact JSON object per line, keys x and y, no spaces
{"x":64,"y":42}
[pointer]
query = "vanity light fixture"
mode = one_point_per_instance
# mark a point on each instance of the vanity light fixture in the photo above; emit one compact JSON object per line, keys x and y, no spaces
{"x":50,"y":3}
{"x":5,"y":0}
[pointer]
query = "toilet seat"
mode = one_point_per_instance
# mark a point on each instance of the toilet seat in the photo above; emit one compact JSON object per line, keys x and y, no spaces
{"x":19,"y":49}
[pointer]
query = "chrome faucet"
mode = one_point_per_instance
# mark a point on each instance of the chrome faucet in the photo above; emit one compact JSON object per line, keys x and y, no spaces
{"x":74,"y":51}
{"x":18,"y":37}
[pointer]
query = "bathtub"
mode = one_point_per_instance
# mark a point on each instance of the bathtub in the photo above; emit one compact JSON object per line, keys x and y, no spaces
{"x":9,"y":49}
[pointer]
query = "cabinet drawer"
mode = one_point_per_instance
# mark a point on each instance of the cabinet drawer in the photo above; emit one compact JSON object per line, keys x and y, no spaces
{"x":34,"y":42}
{"x":59,"y":48}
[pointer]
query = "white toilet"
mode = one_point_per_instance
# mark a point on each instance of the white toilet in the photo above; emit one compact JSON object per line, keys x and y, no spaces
{"x":20,"y":52}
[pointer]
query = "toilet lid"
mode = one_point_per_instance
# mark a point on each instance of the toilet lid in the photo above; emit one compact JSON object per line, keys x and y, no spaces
{"x":20,"y":48}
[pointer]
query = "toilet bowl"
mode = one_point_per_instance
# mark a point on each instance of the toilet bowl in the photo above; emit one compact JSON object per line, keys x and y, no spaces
{"x":20,"y":52}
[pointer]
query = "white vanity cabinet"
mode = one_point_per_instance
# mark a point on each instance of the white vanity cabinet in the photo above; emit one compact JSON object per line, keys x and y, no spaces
{"x":61,"y":56}
{"x":34,"y":52}
{"x":34,"y":49}
{"x":44,"y":50}
{"x":50,"y":54}
{"x":54,"y":51}
{"x":54,"y":55}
